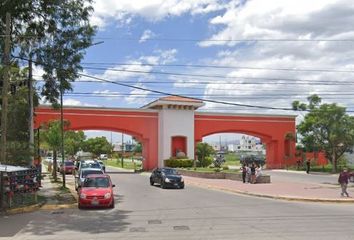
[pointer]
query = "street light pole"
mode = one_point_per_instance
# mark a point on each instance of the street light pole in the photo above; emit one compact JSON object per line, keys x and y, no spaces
{"x":62,"y":132}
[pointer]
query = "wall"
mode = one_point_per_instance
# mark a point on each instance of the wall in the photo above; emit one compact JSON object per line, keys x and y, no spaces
{"x":174,"y":122}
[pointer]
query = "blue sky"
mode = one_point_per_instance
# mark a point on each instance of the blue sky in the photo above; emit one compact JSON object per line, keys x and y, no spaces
{"x":158,"y":32}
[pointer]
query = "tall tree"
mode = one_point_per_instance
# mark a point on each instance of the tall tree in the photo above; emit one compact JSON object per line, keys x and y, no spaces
{"x":52,"y":136}
{"x":97,"y":146}
{"x":326,"y":127}
{"x":204,"y":150}
{"x":54,"y":33}
{"x":18,"y":149}
{"x":74,"y":141}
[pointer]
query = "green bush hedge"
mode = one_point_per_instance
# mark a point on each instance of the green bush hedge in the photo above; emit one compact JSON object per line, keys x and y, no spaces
{"x":179,"y":163}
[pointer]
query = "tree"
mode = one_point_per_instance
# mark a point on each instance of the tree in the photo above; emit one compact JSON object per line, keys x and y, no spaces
{"x":18,"y":148}
{"x":97,"y":146}
{"x":327,"y":128}
{"x":138,"y":148}
{"x":73,"y":142}
{"x":52,"y":136}
{"x":204,"y":150}
{"x":54,"y":33}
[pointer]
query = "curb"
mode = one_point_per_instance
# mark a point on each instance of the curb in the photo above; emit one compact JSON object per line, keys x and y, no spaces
{"x":26,"y":209}
{"x":297,"y":199}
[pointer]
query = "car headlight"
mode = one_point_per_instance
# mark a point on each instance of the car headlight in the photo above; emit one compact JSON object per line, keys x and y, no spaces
{"x":82,"y":195}
{"x":107,"y":195}
{"x":182,"y":180}
{"x":167,"y":180}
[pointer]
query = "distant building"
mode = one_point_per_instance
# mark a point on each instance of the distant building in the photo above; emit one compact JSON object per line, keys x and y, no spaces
{"x":128,"y":147}
{"x":246,"y":143}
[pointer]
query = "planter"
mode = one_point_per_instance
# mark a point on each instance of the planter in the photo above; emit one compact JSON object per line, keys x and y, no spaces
{"x":221,"y":175}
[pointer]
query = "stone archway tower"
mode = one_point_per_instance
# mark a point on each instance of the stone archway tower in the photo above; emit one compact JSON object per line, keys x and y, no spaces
{"x":175,"y":126}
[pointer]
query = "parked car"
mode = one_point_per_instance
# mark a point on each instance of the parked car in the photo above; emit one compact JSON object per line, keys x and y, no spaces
{"x":102,"y":165}
{"x":69,"y":167}
{"x":96,"y":191}
{"x":83,"y":173}
{"x":249,"y":159}
{"x":49,"y":159}
{"x":166,"y":177}
{"x":103,"y":157}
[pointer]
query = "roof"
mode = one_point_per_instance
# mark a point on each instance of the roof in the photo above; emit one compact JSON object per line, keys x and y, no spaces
{"x":175,"y":101}
{"x":180,"y":99}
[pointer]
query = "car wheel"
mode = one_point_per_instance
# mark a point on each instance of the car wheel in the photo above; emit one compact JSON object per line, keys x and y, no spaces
{"x":152,"y":182}
{"x":112,"y":205}
{"x":182,"y":187}
{"x":79,"y":206}
{"x":163,"y":185}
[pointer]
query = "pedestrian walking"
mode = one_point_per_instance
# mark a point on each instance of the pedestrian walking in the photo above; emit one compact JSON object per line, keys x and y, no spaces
{"x":308,"y":164}
{"x":253,"y":173}
{"x":244,"y":172}
{"x":343,"y":181}
{"x":248,"y":173}
{"x":258,"y":172}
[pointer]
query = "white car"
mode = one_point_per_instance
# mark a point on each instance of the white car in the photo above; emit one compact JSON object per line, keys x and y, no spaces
{"x":79,"y":180}
{"x":49,"y":159}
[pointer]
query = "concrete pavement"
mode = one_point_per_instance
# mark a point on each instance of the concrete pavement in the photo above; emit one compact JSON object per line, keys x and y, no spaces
{"x":287,"y":186}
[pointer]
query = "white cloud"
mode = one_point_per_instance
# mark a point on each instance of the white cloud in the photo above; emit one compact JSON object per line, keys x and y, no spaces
{"x":136,"y":69}
{"x":152,"y":10}
{"x":74,"y":102}
{"x":147,"y":34}
{"x":138,"y":96}
{"x":283,"y":19}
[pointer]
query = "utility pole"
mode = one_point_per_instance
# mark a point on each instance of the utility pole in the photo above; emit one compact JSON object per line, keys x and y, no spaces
{"x":30,"y":101}
{"x":122,"y":159}
{"x":5,"y":87}
{"x":62,"y":130}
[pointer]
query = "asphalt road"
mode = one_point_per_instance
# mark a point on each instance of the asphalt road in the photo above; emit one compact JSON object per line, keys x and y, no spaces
{"x":146,"y":212}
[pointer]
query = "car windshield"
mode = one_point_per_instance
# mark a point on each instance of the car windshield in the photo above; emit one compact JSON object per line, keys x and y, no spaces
{"x":169,"y":171}
{"x":96,"y":182}
{"x":90,"y":165}
{"x":69,"y":164}
{"x":85,"y":173}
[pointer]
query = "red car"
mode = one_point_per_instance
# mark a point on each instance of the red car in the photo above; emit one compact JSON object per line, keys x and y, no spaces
{"x":96,"y":191}
{"x":69,"y":167}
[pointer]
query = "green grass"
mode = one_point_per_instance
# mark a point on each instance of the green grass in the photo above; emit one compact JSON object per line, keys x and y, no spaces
{"x":127,"y":163}
{"x":210,"y":170}
{"x":232,"y":159}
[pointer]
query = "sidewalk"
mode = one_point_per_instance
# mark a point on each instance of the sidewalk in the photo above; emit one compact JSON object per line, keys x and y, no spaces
{"x":286,"y":190}
{"x":51,"y":196}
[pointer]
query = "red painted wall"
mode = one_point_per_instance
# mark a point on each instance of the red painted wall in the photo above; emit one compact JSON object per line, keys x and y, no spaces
{"x":141,"y":124}
{"x":270,"y":129}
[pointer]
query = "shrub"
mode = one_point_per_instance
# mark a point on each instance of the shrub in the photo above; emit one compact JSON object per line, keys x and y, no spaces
{"x":207,"y":161}
{"x":217,"y":170}
{"x":178,"y":163}
{"x":225,"y":168}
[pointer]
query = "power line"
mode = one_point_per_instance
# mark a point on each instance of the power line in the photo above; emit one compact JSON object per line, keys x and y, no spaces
{"x":177,"y":95}
{"x":198,"y":75}
{"x":219,"y":67}
{"x":228,"y":40}
{"x":221,"y":82}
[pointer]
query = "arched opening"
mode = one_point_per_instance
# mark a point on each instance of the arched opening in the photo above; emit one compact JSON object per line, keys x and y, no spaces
{"x":125,"y":150}
{"x":234,"y":147}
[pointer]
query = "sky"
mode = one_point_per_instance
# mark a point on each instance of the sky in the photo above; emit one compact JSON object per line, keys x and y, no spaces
{"x":258,"y":53}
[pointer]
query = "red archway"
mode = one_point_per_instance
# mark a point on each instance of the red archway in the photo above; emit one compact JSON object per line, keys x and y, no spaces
{"x":271,"y":129}
{"x":146,"y":125}
{"x":141,"y":124}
